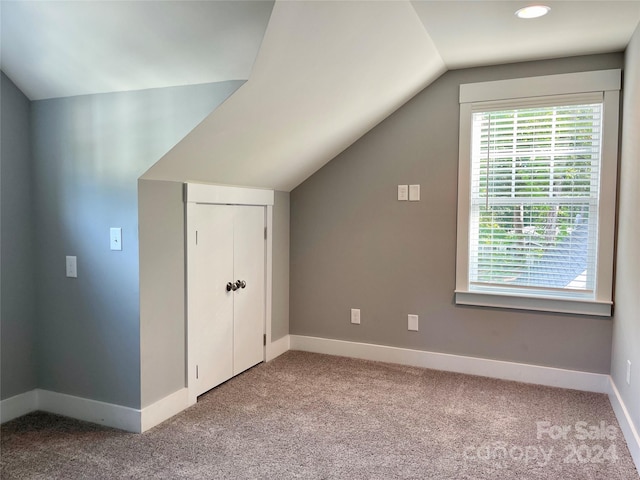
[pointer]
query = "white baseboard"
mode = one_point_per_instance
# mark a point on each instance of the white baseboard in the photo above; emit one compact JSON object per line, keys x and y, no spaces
{"x":519,"y":372}
{"x":278,"y":347}
{"x":18,"y":405}
{"x":553,"y":377}
{"x":164,"y":409}
{"x":134,"y":420}
{"x":626,"y":423}
{"x":108,"y":414}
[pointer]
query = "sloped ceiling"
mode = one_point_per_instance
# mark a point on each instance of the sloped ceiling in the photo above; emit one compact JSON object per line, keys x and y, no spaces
{"x":326,"y":73}
{"x":65,"y":48}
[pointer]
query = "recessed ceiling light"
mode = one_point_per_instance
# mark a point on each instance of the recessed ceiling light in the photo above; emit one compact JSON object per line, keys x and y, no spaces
{"x":533,"y":11}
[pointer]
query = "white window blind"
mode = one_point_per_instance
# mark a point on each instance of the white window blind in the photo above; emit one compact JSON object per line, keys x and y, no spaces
{"x":535,"y":173}
{"x":537,"y":192}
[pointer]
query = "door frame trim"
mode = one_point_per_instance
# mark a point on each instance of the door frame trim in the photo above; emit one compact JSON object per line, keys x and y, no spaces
{"x":227,"y":195}
{"x":201,"y":193}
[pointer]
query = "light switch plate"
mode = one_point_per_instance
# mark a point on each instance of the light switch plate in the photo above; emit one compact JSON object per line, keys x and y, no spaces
{"x":72,"y":267}
{"x":403,"y":193}
{"x":355,"y":316}
{"x":413,"y":323}
{"x":115,"y":235}
{"x":414,"y":193}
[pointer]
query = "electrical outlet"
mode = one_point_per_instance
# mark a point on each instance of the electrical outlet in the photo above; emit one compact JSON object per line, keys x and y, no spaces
{"x":628,"y":372}
{"x":72,"y":267}
{"x":413,"y":323}
{"x":355,"y":316}
{"x":414,"y":193}
{"x":403,"y":193}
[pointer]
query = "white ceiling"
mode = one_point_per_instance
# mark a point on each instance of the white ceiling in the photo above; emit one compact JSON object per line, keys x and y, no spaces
{"x":325,"y":72}
{"x":479,"y":32}
{"x":57,"y":48}
{"x":65,"y":48}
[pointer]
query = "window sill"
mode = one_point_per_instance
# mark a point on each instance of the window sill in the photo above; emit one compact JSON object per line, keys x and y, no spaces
{"x":540,"y":304}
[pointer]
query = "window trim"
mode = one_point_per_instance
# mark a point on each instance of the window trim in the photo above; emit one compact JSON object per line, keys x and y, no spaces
{"x":606,"y":81}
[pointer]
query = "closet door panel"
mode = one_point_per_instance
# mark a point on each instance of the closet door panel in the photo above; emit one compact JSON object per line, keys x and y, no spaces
{"x":211,"y":308}
{"x":249,"y":302}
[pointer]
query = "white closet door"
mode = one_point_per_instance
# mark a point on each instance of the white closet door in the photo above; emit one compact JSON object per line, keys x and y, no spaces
{"x":249,"y":304}
{"x":211,"y":305}
{"x":226,"y":245}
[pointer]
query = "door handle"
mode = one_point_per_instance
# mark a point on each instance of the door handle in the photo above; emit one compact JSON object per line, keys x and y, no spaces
{"x":231,"y":286}
{"x":241,"y":284}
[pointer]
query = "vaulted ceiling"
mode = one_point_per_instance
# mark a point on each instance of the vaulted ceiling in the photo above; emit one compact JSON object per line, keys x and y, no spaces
{"x":66,"y":48}
{"x":321,"y":73}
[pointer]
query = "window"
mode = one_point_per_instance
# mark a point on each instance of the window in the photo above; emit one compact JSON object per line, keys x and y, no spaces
{"x":536,"y":193}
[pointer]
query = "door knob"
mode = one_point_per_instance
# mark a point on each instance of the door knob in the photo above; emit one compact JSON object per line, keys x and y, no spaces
{"x":241,"y":284}
{"x":231,"y":286}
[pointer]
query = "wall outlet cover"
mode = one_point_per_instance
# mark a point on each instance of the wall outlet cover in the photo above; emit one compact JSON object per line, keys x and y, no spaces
{"x":72,"y":266}
{"x":355,"y":316}
{"x":414,"y":193}
{"x":413,"y":323}
{"x":628,"y":372}
{"x":403,"y":193}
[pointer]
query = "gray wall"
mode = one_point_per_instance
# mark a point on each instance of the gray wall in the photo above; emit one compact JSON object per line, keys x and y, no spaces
{"x":626,"y":325}
{"x":162,"y":289}
{"x":162,"y":294}
{"x":17,"y":311}
{"x":353,"y":245}
{"x":88,"y":153}
{"x":280,"y":305}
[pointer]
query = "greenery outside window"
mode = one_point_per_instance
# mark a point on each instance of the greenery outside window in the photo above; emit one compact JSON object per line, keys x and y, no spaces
{"x":536,"y":198}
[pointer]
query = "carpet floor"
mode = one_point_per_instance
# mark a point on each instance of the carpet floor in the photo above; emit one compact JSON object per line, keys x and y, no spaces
{"x":315,"y":416}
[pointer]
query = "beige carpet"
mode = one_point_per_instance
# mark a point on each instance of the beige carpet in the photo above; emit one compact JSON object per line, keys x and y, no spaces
{"x":314,"y":416}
